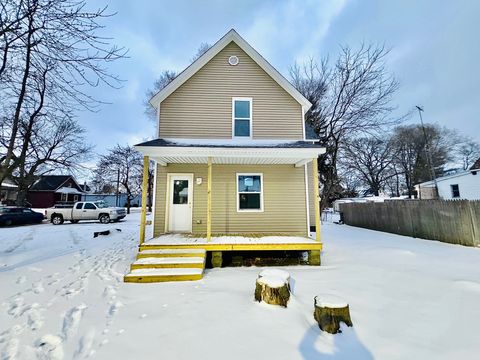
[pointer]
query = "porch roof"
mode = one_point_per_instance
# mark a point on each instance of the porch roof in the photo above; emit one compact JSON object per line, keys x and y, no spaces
{"x":231,"y":151}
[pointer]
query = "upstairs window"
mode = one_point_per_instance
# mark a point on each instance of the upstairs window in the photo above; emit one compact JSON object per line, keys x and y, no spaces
{"x":455,"y":191}
{"x":242,"y":117}
{"x":249,"y":192}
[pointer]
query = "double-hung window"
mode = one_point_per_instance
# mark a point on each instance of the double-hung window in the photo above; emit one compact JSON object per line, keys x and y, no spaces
{"x":249,"y":192}
{"x":242,"y":117}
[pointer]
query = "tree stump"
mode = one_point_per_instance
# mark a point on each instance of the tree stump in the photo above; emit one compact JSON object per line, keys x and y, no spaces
{"x":277,"y":272}
{"x":272,"y":289}
{"x":329,"y":311}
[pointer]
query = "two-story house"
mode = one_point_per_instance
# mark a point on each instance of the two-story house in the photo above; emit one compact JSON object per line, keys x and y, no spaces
{"x":233,"y":170}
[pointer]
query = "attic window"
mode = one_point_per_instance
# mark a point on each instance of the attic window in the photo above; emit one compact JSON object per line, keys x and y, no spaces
{"x":233,"y":60}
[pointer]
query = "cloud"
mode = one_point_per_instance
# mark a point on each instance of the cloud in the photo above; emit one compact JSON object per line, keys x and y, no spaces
{"x":293,"y":27}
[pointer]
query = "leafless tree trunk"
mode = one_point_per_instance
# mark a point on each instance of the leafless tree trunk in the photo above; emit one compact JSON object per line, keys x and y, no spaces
{"x":371,"y":159}
{"x":51,"y":51}
{"x":351,"y":97}
{"x":129,"y":162}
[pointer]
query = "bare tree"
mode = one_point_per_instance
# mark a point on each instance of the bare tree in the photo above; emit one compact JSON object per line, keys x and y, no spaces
{"x":127,"y":161}
{"x":202,"y":49}
{"x":410,"y":154}
{"x":468,"y":151}
{"x":58,"y":144}
{"x":51,"y":52}
{"x":163,"y":80}
{"x":371,"y":159}
{"x":350,"y":97}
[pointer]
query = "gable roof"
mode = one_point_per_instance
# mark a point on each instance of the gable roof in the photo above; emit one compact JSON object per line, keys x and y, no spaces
{"x":232,"y":35}
{"x":476,"y":165}
{"x":52,"y":182}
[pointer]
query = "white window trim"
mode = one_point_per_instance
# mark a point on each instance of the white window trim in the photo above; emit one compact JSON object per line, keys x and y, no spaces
{"x":250,"y":100}
{"x":237,"y":193}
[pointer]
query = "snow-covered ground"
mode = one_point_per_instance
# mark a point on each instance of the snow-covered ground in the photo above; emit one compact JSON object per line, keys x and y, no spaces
{"x":62,"y":297}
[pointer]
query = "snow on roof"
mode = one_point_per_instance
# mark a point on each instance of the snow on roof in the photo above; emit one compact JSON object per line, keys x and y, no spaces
{"x":67,"y":190}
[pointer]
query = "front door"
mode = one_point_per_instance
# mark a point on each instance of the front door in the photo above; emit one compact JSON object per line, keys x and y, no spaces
{"x":180,"y":203}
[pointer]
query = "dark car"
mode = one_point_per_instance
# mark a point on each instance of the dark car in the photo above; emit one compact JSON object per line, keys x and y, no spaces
{"x":19,"y":215}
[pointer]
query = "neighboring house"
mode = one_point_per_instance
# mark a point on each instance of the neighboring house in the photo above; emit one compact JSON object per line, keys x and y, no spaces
{"x":112,"y":200}
{"x":231,"y":154}
{"x":49,"y":190}
{"x":8,"y":192}
{"x":462,"y":185}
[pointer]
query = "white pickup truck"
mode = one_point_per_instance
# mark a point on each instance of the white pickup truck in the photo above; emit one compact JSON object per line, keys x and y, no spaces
{"x":85,"y":210}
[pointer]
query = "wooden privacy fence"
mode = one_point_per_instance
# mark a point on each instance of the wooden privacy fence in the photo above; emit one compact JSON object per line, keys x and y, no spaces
{"x":450,"y":221}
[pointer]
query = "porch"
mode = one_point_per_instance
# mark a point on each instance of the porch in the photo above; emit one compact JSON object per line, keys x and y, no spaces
{"x":240,"y":196}
{"x":182,"y":257}
{"x":250,"y":242}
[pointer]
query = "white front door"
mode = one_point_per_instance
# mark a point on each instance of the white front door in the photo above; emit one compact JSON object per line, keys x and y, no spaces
{"x":180,"y":203}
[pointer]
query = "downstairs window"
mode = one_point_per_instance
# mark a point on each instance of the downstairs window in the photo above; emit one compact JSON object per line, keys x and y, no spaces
{"x":250,"y":192}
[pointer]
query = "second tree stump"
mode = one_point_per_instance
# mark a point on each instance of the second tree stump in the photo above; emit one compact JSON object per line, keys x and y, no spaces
{"x":330,"y":311}
{"x":273,"y":289}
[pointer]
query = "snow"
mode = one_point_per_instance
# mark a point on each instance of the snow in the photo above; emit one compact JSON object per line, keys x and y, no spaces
{"x":330,"y":301}
{"x":62,"y":296}
{"x":171,"y":260}
{"x":178,"y":239}
{"x":271,"y":281}
{"x":174,"y":251}
{"x":163,"y":272}
{"x":285,"y":276}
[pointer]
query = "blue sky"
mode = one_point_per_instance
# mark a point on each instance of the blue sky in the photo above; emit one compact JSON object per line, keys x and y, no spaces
{"x":435,"y":51}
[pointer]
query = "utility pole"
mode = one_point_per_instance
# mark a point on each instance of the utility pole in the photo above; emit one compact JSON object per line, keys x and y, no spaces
{"x":427,"y":151}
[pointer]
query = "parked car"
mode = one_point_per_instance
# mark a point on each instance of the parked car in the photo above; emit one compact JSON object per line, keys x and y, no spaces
{"x":19,"y":215}
{"x":85,"y":210}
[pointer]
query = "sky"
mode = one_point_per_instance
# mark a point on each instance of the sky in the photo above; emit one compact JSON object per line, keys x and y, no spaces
{"x":434,"y":51}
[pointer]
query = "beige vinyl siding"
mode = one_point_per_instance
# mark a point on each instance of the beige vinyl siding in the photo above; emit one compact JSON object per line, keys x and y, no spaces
{"x":283,"y":198}
{"x":202,"y":106}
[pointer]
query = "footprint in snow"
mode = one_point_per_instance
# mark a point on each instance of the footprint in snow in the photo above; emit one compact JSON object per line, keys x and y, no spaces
{"x":37,"y":287}
{"x":49,"y":347}
{"x":71,"y":320}
{"x":10,"y":351}
{"x":16,"y":307}
{"x":21,"y":279}
{"x":114,"y":308}
{"x":109,"y":291}
{"x":34,"y":315}
{"x":85,"y":345}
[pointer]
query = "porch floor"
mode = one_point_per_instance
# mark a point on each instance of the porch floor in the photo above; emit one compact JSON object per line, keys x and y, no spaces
{"x":232,"y":242}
